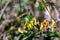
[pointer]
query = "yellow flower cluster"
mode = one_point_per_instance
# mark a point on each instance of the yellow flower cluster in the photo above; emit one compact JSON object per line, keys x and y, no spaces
{"x":28,"y":25}
{"x":31,"y":23}
{"x":45,"y":23}
{"x":43,"y":26}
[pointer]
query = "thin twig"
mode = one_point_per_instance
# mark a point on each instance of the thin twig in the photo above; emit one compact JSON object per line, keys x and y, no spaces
{"x":2,"y":11}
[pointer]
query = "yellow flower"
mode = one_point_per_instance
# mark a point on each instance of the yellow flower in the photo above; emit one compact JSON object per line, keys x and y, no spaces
{"x":21,"y":30}
{"x":45,"y":22}
{"x":29,"y":25}
{"x":41,"y":26}
{"x":44,"y":25}
{"x":32,"y":23}
{"x":35,"y":21}
{"x":52,"y":25}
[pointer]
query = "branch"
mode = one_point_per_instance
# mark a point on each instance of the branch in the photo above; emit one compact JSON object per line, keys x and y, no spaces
{"x":2,"y":11}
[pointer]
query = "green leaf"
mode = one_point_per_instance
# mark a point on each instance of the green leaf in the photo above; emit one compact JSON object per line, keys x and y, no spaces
{"x":41,"y":8}
{"x":30,"y":17}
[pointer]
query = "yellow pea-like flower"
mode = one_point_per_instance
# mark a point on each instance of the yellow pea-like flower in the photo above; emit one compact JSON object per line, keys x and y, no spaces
{"x":32,"y":23}
{"x":35,"y":21}
{"x":52,"y":24}
{"x":44,"y":25}
{"x":41,"y":26}
{"x":47,"y":23}
{"x":21,"y":30}
{"x":29,"y":25}
{"x":53,"y":21}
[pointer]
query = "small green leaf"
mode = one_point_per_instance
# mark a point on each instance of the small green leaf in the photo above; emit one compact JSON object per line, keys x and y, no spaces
{"x":30,"y":17}
{"x":41,"y":8}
